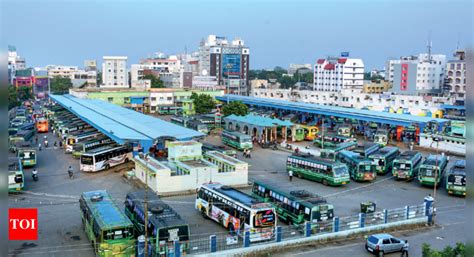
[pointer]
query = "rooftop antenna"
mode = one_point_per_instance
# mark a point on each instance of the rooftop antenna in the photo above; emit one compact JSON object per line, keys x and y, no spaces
{"x":429,"y":45}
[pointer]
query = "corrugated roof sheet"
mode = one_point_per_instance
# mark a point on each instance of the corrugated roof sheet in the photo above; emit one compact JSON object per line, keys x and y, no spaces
{"x":259,"y":120}
{"x":331,"y":110}
{"x":122,"y":122}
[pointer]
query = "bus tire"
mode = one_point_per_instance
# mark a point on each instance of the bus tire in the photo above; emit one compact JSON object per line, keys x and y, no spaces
{"x":325,"y":182}
{"x":107,"y":167}
{"x":126,"y":160}
{"x":203,"y":213}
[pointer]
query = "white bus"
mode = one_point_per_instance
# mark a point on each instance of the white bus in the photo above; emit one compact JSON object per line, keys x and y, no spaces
{"x":105,"y":158}
{"x":71,"y":140}
{"x":237,"y":211}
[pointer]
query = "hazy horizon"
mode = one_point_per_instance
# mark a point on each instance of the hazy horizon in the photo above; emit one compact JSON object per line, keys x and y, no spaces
{"x":278,"y":33}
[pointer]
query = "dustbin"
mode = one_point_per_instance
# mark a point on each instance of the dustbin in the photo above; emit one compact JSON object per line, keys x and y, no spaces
{"x":367,"y":207}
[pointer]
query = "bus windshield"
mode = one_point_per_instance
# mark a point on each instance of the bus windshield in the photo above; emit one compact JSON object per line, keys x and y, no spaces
{"x":245,"y":140}
{"x":379,"y":162}
{"x":365,"y":168}
{"x":458,"y":180}
{"x":340,"y":171}
{"x":177,"y":233}
{"x":264,"y":219}
{"x":117,"y":234}
{"x":427,"y":172}
{"x":87,"y":160}
{"x":402,"y":166}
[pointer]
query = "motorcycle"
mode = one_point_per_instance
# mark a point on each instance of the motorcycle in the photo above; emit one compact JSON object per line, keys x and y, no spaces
{"x":35,"y":176}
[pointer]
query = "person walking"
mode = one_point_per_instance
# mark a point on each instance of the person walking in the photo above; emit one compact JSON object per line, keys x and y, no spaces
{"x":70,"y":172}
{"x":39,"y":146}
{"x":405,"y":249}
{"x":290,"y":175}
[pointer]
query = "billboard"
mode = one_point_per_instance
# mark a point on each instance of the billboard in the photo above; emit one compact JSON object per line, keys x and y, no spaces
{"x":231,"y":65}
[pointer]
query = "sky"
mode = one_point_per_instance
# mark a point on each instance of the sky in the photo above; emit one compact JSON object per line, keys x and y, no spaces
{"x":67,"y":32}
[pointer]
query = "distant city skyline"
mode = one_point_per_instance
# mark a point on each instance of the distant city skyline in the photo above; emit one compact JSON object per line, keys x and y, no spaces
{"x":278,"y":33}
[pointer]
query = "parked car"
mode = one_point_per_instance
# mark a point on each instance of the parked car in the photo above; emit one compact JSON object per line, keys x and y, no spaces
{"x":380,"y":244}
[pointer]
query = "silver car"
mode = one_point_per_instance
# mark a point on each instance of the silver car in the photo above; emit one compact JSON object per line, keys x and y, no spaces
{"x":383,"y":243}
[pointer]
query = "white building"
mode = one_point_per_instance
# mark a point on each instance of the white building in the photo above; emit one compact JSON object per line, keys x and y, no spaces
{"x":227,"y":61}
{"x":137,"y":72}
{"x":15,"y":62}
{"x":205,"y":83}
{"x":413,"y":104}
{"x":186,"y":169}
{"x":456,"y":76}
{"x":114,"y":71}
{"x":336,"y":74}
{"x":163,"y":63}
{"x":422,"y":74}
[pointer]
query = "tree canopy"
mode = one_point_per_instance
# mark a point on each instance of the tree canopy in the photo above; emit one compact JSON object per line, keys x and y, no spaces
{"x":155,"y":82}
{"x":60,"y":85}
{"x":12,"y":97}
{"x":237,"y":108}
{"x":448,"y":251}
{"x":203,"y":103}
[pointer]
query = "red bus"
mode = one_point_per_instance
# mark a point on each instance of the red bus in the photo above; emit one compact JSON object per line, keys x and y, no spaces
{"x":42,"y":126}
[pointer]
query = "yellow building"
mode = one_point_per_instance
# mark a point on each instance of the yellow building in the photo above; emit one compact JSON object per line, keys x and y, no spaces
{"x":376,"y":87}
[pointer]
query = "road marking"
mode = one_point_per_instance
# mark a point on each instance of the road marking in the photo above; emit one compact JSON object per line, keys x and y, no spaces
{"x":357,"y":188}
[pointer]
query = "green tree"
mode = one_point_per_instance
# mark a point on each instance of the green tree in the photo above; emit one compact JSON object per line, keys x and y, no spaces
{"x":367,"y":76}
{"x":448,"y":251}
{"x":60,"y":85}
{"x":203,"y":103}
{"x":237,"y":108}
{"x":286,"y":81}
{"x":12,"y":97}
{"x":24,"y":93}
{"x":155,"y":82}
{"x":99,"y":78}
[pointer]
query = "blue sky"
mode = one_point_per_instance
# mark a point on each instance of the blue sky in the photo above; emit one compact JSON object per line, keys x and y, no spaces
{"x":278,"y":32}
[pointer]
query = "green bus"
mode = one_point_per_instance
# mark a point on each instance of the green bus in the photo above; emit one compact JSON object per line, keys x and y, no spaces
{"x":295,"y":207}
{"x":383,"y":159}
{"x":318,"y":169}
{"x":406,"y":165}
{"x":344,"y":130}
{"x":366,"y":149}
{"x":331,"y":140}
{"x":456,"y":179}
{"x":106,"y":226}
{"x":26,"y":153}
{"x":432,"y":170}
{"x":20,"y":137}
{"x":299,"y":133}
{"x":360,"y":169}
{"x":165,"y":225}
{"x":16,"y":180}
{"x":207,"y":147}
{"x":331,"y":152}
{"x":381,"y":137}
{"x":237,"y":140}
{"x":85,"y":146}
{"x":71,"y":127}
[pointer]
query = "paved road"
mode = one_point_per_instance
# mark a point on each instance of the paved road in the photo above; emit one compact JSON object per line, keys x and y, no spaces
{"x":60,"y":229}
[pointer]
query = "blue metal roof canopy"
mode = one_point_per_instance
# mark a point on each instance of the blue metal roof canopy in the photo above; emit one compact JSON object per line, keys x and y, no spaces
{"x":351,"y":113}
{"x":121,"y":124}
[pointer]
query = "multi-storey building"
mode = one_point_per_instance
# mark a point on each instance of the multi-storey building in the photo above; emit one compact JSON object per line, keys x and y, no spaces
{"x":335,"y":74}
{"x":456,"y":76}
{"x":114,"y":72}
{"x":15,"y":62}
{"x":61,"y":71}
{"x":350,"y":98}
{"x":228,"y":62}
{"x":422,"y":74}
{"x":163,"y":63}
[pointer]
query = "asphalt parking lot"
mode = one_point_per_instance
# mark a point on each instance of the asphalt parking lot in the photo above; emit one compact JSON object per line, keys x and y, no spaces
{"x":60,"y":228}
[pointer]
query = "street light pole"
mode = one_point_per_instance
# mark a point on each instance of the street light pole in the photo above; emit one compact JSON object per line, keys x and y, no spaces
{"x":146,"y":204}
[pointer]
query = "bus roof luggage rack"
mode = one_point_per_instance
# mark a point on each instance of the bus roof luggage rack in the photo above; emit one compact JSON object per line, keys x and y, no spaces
{"x":307,"y":196}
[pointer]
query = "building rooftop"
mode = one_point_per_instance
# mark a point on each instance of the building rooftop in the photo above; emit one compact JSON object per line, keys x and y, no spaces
{"x":122,"y":124}
{"x":259,"y":120}
{"x":365,"y":115}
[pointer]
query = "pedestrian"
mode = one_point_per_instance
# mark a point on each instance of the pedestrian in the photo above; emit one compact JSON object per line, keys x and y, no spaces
{"x":39,"y":146}
{"x":290,"y":175}
{"x":60,"y":143}
{"x":70,"y":172}
{"x":411,"y":146}
{"x":248,"y":154}
{"x":405,"y":249}
{"x":36,"y":139}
